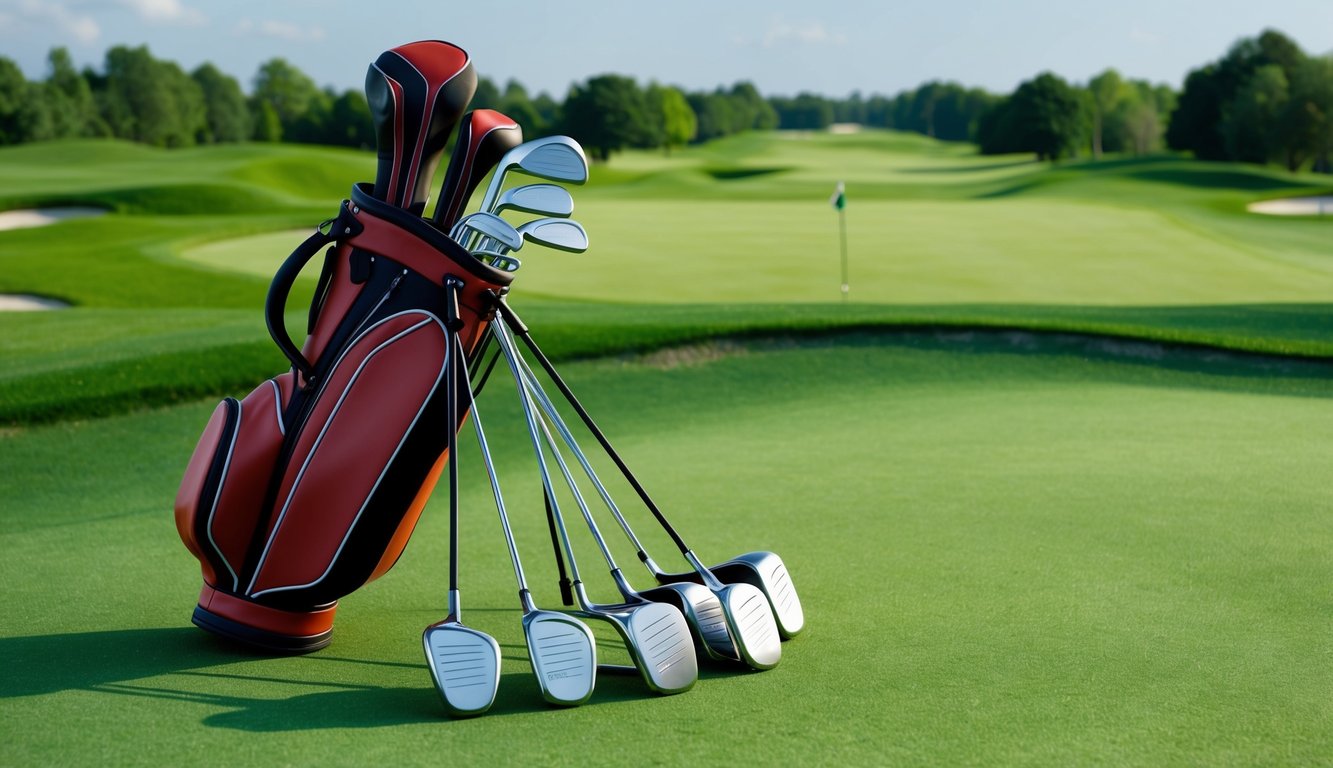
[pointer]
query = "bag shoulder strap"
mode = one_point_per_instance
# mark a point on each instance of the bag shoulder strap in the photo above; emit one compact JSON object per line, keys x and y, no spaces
{"x":341,"y":227}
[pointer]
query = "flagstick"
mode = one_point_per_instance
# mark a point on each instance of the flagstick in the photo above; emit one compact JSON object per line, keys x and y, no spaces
{"x":842,"y":227}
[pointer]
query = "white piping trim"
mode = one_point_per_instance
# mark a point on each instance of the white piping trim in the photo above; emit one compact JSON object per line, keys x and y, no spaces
{"x":277,"y":526}
{"x":277,"y":406}
{"x":217,"y":494}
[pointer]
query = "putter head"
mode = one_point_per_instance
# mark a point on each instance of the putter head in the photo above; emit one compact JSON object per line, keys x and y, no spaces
{"x":767,"y":572}
{"x":752,"y":625}
{"x":488,"y":225}
{"x":541,"y":199}
{"x":658,"y":639}
{"x":563,"y":654}
{"x":703,"y":612}
{"x":465,"y":665}
{"x":561,"y":234}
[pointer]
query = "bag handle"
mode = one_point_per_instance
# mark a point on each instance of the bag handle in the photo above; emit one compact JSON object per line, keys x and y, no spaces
{"x":344,"y":225}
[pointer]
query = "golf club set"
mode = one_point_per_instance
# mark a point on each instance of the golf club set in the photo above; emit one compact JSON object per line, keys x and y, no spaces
{"x":311,"y":485}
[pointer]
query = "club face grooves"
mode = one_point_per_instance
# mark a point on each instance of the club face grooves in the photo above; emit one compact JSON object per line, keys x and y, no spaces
{"x":563,"y":653}
{"x":465,"y":665}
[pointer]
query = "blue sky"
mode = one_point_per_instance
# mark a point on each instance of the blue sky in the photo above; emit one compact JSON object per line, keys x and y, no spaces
{"x":831,"y":47}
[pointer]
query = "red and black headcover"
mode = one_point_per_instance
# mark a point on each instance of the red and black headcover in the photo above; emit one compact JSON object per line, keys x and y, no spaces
{"x":416,"y":94}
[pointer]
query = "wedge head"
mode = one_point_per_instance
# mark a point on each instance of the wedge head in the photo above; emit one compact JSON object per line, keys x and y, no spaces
{"x":488,"y":225}
{"x":703,"y":613}
{"x":541,"y":199}
{"x":465,"y":665}
{"x":564,"y":656}
{"x":560,"y":234}
{"x":750,"y":619}
{"x":658,"y":640}
{"x":767,"y":572}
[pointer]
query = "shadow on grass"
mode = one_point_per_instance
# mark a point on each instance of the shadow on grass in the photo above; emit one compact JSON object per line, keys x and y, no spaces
{"x":114,"y":661}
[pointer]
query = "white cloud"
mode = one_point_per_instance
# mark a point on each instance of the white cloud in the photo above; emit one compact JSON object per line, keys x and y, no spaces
{"x":166,"y":12}
{"x":281,"y":30}
{"x":33,"y":13}
{"x":782,"y":32}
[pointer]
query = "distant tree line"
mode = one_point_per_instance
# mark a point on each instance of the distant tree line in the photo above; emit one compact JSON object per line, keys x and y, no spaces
{"x":1264,"y":101}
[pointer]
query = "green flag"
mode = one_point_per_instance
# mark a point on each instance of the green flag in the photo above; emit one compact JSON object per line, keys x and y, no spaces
{"x":839,"y":199}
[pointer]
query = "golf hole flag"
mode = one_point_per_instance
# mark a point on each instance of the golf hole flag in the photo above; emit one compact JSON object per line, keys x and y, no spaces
{"x":839,"y":203}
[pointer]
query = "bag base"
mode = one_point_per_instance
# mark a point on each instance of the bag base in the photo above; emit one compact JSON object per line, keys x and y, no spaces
{"x":265,"y":629}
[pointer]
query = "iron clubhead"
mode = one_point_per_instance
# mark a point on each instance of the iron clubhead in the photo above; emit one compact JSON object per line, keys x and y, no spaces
{"x":465,"y":664}
{"x":703,"y":612}
{"x":541,"y":199}
{"x":658,"y":640}
{"x":767,"y":572}
{"x":763,"y":570}
{"x":488,"y":225}
{"x":561,"y":234}
{"x":563,"y":654}
{"x":752,"y":625}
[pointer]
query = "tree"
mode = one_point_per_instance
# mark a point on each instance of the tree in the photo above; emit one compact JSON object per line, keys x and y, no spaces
{"x":1305,"y":126}
{"x":1106,"y":91}
{"x":150,"y":101}
{"x":753,"y":111}
{"x":605,"y":114}
{"x":1210,"y":91}
{"x":350,"y":123}
{"x":13,"y":95}
{"x":1044,"y":116}
{"x":676,"y":122}
{"x":1250,"y":128}
{"x":69,"y":99}
{"x":288,"y":90}
{"x":226,"y":116}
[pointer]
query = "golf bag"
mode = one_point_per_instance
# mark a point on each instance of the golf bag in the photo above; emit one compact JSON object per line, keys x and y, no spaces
{"x":311,"y":485}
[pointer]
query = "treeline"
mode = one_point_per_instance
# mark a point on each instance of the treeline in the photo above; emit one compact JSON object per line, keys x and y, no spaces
{"x":141,"y":98}
{"x":1264,"y":101}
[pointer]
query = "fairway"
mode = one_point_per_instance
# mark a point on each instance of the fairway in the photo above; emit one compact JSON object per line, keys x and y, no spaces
{"x":1010,"y":550}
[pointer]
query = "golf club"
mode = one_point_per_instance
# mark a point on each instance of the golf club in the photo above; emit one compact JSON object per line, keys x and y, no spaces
{"x":732,"y":621}
{"x":554,"y":158}
{"x":483,"y":137}
{"x":464,"y":662}
{"x":498,"y":258}
{"x":490,"y":226}
{"x":655,"y":634}
{"x":416,"y":93}
{"x":541,"y":199}
{"x":763,"y":570}
{"x":561,"y":234}
{"x":561,"y":648}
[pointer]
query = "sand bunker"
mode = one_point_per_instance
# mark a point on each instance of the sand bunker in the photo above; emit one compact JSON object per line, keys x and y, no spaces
{"x":44,"y":216}
{"x":38,"y":218}
{"x":1294,"y":206}
{"x":18,"y":302}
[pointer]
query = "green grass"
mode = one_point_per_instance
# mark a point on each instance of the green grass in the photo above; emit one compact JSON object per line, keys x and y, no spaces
{"x":1009,"y":553}
{"x":1037,"y":511}
{"x":1157,"y":247}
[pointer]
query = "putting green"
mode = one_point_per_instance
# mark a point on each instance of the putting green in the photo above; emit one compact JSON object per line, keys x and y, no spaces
{"x":1011,"y":549}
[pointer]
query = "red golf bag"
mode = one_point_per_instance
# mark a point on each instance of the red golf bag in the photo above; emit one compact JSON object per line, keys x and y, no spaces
{"x":311,"y":485}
